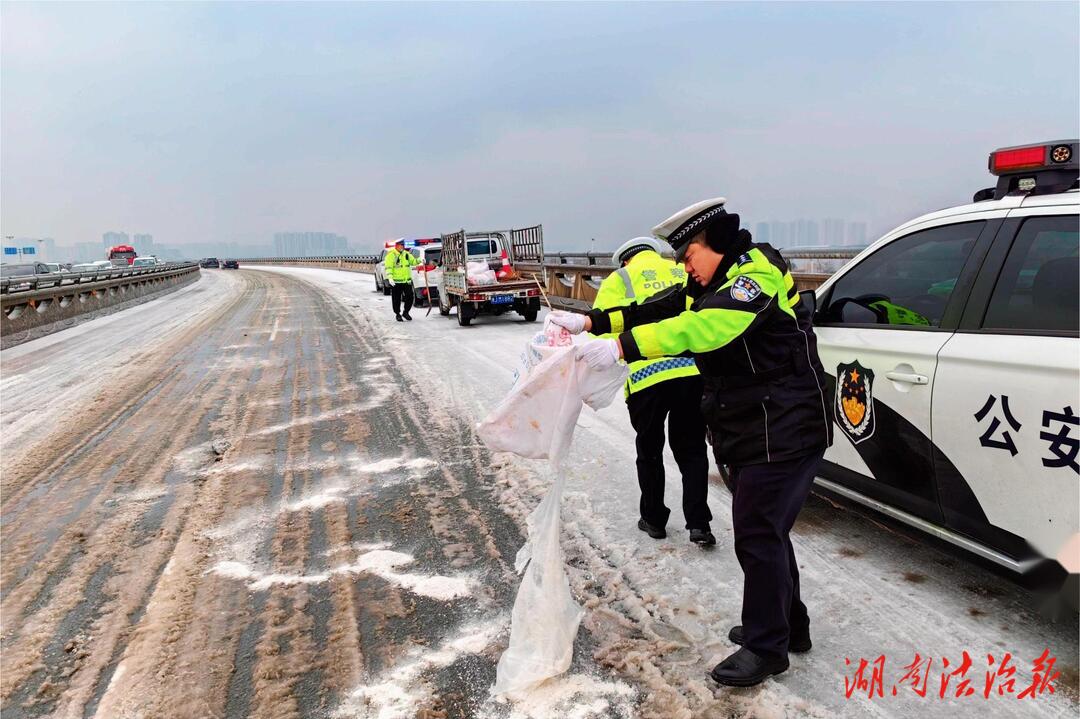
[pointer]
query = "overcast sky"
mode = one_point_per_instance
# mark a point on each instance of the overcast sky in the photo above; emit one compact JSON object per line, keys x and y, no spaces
{"x":214,"y":122}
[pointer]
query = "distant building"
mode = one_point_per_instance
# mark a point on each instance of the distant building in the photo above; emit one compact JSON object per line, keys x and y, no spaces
{"x":309,"y":244}
{"x":761,"y":232}
{"x":111,"y":239}
{"x":143,"y":243}
{"x":856,"y":234}
{"x":832,"y":232}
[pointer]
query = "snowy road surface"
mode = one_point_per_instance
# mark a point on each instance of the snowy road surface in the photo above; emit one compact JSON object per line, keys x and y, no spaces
{"x":259,"y":497}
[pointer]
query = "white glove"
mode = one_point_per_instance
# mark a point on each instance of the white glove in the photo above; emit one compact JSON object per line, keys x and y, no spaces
{"x":600,"y":354}
{"x":390,"y":281}
{"x":572,"y":321}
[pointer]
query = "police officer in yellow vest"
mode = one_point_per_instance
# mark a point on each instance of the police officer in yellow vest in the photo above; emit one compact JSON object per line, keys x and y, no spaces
{"x":397,"y":265}
{"x":666,"y":388}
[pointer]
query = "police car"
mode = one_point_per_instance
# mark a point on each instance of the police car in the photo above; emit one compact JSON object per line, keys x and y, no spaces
{"x":952,"y":349}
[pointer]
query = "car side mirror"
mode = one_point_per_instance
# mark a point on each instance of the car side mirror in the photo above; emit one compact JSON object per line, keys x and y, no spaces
{"x":809,"y":300}
{"x":853,"y":311}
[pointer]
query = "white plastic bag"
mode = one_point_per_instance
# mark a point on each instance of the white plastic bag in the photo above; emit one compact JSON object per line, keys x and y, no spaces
{"x":537,"y":420}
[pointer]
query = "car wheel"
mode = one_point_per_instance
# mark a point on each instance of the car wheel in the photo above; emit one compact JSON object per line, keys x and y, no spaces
{"x":464,"y":315}
{"x":529,"y":315}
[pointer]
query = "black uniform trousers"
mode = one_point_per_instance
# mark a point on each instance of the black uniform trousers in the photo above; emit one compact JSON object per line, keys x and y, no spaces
{"x":399,"y":290}
{"x":679,"y":402}
{"x":767,"y":500}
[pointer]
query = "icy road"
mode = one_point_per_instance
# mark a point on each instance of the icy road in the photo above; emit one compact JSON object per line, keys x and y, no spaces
{"x":260,"y":496}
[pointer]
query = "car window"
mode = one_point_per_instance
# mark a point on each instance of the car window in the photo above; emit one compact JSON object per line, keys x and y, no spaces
{"x":1039,"y":284}
{"x":433,"y":256}
{"x":16,"y":270}
{"x":907,"y":282}
{"x":482,"y":247}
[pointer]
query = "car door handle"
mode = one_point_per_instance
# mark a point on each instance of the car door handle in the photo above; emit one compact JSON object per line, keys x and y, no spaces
{"x":907,"y":377}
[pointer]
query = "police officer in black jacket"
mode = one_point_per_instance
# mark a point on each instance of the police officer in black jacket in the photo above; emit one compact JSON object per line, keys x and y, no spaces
{"x":764,"y":403}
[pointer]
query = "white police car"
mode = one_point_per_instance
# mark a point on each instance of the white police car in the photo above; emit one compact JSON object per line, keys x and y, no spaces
{"x":952,"y":347}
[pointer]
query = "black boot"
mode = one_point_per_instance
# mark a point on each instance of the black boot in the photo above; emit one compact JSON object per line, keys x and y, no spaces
{"x":406,"y":316}
{"x":702,"y":537}
{"x":398,"y":318}
{"x":652,"y":530}
{"x":745,"y":669}
{"x":798,"y":643}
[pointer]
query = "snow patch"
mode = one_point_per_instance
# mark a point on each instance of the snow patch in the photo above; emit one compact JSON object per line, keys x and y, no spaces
{"x":394,"y":463}
{"x":401,"y":692}
{"x":571,"y":696}
{"x":381,"y":562}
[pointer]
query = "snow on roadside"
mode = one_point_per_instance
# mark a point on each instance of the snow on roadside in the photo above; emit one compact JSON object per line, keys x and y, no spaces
{"x":660,"y":610}
{"x":39,"y":394}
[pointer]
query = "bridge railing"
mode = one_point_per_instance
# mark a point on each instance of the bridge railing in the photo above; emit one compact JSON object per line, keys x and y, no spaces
{"x":572,"y":279}
{"x":351,"y":263}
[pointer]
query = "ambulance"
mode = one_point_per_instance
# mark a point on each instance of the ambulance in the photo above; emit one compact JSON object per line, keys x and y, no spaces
{"x":952,"y":351}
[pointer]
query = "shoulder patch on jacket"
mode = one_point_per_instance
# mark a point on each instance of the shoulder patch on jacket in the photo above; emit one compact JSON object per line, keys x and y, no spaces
{"x":744,"y":259}
{"x":745,"y":289}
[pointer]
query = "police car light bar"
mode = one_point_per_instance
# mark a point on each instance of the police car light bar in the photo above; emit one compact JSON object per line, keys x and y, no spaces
{"x":410,"y":243}
{"x":1040,"y":169}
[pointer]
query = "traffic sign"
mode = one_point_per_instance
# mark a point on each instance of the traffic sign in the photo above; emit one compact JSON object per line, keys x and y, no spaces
{"x":28,"y":250}
{"x":11,"y":250}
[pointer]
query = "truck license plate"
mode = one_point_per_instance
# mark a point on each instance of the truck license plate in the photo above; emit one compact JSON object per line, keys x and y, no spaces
{"x":502,"y":299}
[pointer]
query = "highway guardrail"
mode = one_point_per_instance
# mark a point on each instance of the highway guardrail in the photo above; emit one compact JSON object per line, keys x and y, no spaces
{"x":34,"y":305}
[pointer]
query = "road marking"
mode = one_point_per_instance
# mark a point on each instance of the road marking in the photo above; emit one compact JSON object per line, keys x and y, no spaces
{"x":273,"y":333}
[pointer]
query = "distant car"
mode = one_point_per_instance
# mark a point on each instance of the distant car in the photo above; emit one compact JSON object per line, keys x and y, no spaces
{"x":209,"y":262}
{"x":144,"y":262}
{"x":23,"y":269}
{"x":92,"y":266}
{"x":230,"y":265}
{"x":54,"y":267}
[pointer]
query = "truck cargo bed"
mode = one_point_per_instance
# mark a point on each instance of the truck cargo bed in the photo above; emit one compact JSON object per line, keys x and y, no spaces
{"x":511,"y":286}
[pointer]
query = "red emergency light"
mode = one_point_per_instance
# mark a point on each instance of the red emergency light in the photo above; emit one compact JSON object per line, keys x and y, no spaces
{"x":1018,"y":158}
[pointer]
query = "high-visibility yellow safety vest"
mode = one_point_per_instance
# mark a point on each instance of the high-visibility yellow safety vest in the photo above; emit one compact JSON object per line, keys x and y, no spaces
{"x":643,"y":276}
{"x":397,"y":264}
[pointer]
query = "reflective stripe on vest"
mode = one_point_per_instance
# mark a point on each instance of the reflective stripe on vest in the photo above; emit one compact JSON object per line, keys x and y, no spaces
{"x":655,"y":274}
{"x":627,"y":282}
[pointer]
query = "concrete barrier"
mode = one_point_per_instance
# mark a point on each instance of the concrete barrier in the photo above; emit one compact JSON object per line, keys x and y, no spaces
{"x":37,"y":305}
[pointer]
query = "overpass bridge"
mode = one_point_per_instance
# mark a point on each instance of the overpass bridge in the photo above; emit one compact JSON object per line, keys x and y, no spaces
{"x":259,"y":496}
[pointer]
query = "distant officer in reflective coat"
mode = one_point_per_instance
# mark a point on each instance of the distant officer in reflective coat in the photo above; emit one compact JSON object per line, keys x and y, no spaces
{"x":658,"y":391}
{"x":764,"y":404}
{"x":398,"y":266}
